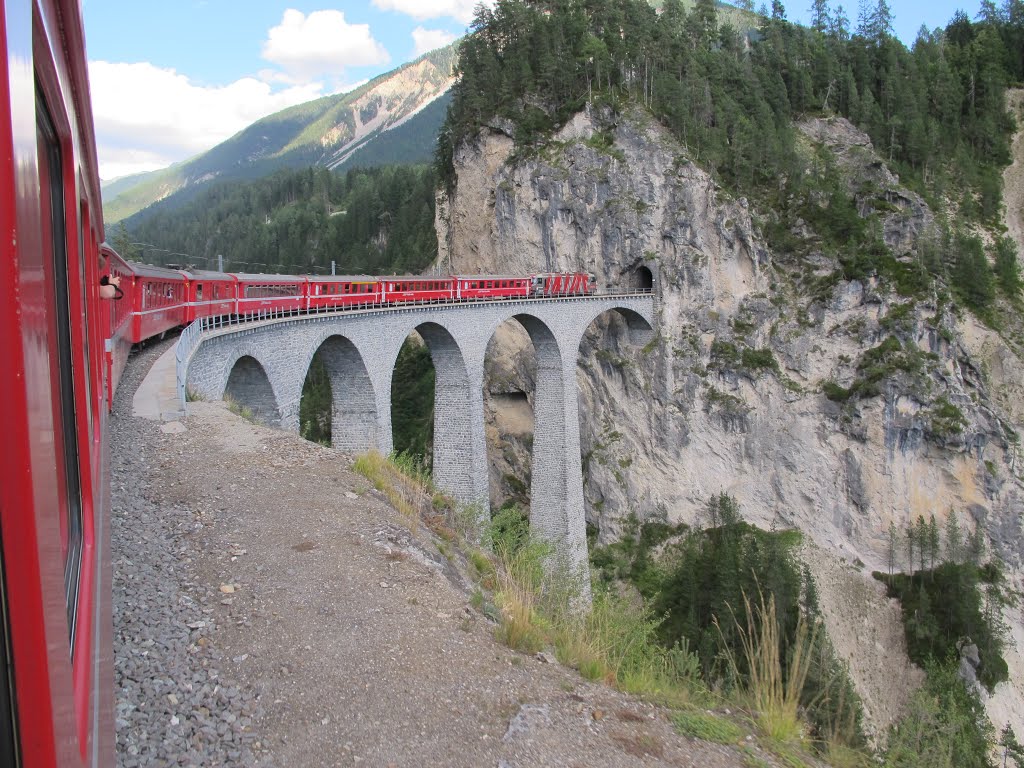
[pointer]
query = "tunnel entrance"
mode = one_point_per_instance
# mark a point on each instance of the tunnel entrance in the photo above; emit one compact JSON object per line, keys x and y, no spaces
{"x":642,"y":279}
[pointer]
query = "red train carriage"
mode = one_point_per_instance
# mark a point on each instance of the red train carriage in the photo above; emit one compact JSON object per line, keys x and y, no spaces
{"x":491,"y":287}
{"x":266,"y":293}
{"x":563,"y":284}
{"x":56,"y":673}
{"x":209,"y":294}
{"x":342,"y":291}
{"x":158,"y":300}
{"x":416,"y":289}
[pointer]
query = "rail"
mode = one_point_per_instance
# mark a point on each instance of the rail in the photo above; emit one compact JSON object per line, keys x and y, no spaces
{"x":191,"y":336}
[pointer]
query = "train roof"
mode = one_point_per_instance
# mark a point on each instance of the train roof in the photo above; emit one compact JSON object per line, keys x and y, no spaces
{"x":343,"y":279}
{"x":148,"y":270}
{"x":250,"y":277}
{"x":209,"y":274}
{"x":492,"y":277}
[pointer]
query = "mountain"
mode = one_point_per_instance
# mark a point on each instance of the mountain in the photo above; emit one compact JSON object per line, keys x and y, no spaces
{"x":393,"y":118}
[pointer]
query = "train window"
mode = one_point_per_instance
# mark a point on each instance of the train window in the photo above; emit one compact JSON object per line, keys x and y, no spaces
{"x":55,"y":242}
{"x":199,"y":292}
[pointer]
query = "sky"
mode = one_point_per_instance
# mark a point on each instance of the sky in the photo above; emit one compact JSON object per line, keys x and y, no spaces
{"x":171,"y":80}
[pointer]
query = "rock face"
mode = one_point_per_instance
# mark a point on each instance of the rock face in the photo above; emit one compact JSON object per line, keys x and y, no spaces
{"x":729,"y":396}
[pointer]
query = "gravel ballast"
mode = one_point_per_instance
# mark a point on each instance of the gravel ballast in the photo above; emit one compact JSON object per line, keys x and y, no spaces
{"x":270,"y":609}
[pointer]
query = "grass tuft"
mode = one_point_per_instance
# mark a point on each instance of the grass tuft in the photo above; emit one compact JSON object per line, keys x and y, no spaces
{"x":702,"y":725}
{"x":773,"y":687}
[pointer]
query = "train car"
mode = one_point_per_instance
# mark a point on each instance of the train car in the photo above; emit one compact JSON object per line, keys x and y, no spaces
{"x":158,"y":300}
{"x":342,"y":291}
{"x":209,"y":294}
{"x":417,"y":289}
{"x":267,"y":293}
{"x":477,"y":287}
{"x":117,"y":316}
{"x":56,"y":665}
{"x":563,"y":284}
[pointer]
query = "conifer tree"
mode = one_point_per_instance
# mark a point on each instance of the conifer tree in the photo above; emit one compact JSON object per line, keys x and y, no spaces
{"x":954,"y":539}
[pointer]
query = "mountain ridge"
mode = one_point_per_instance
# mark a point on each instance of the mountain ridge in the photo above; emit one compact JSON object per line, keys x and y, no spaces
{"x":332,"y":131}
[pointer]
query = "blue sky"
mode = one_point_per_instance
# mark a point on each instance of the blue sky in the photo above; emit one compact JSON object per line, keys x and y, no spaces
{"x":171,"y":80}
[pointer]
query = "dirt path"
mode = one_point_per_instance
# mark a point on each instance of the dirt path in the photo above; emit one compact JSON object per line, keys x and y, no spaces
{"x":356,"y":634}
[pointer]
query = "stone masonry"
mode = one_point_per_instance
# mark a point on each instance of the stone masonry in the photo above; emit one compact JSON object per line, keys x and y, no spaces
{"x":263,"y":366}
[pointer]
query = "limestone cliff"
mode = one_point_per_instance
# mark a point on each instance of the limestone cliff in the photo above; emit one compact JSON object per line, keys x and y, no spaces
{"x":729,"y":397}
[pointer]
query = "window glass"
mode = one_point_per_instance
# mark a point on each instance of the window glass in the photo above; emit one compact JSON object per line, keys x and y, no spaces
{"x":55,"y":243}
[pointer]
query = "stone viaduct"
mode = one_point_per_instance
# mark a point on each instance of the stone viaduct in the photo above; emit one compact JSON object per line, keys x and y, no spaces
{"x":263,"y":366}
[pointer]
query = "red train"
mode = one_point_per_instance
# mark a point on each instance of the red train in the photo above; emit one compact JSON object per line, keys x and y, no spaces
{"x":56,"y":671}
{"x":159,"y":299}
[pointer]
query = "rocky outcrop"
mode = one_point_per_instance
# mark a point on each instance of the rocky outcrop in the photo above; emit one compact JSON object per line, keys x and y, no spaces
{"x":731,"y":394}
{"x":905,"y":216}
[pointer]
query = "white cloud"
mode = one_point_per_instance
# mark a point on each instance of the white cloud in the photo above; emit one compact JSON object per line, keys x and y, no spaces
{"x":461,"y":10}
{"x":429,"y":39}
{"x":147,"y":117}
{"x":320,"y":44}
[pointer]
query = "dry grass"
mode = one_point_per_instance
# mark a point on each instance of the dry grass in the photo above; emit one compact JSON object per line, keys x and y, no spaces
{"x":774,"y":694}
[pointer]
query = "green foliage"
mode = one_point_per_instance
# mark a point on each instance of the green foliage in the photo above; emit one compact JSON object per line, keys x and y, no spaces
{"x":758,"y":359}
{"x":945,"y":727}
{"x":509,"y":530}
{"x":972,"y":277}
{"x":316,"y":405}
{"x":691,"y":577}
{"x":946,"y":418}
{"x":632,"y":557}
{"x":1007,"y":268}
{"x":876,"y":366}
{"x":375,"y":221}
{"x":412,"y":402}
{"x":706,"y":726}
{"x":942,"y":606}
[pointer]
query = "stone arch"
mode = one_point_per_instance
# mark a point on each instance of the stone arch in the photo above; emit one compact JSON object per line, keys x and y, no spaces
{"x":353,"y":405}
{"x":641,"y":279}
{"x":249,"y":386}
{"x":455,"y":416}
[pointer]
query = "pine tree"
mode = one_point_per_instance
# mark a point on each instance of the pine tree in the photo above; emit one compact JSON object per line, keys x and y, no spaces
{"x":911,"y":543}
{"x":921,"y":534}
{"x":933,"y":541}
{"x":976,"y":545}
{"x":954,"y":539}
{"x":820,"y":20}
{"x":893,"y":539}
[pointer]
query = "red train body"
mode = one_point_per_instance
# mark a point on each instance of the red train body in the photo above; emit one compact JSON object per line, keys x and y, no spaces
{"x":56,"y":672}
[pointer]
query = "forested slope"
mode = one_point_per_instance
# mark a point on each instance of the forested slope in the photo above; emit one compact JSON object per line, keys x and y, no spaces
{"x":377,"y":220}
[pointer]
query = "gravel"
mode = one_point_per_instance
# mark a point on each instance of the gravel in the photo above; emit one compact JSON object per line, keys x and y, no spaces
{"x":173,"y":705}
{"x":270,"y":609}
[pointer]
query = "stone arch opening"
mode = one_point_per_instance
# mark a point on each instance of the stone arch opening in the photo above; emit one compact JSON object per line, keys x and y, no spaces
{"x":412,"y":401}
{"x":249,"y":386}
{"x":641,"y":279}
{"x":613,"y":379}
{"x":510,"y":372}
{"x":338,"y":405}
